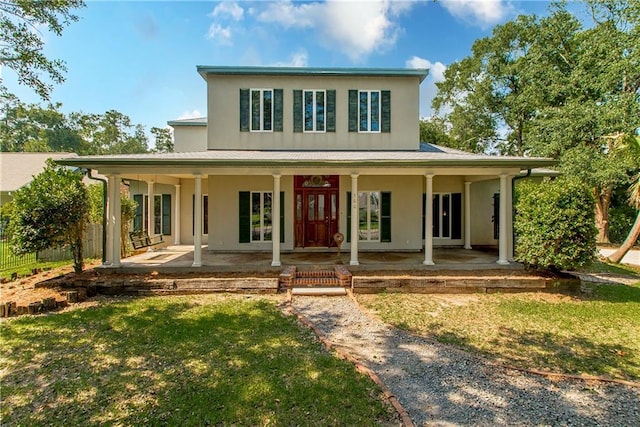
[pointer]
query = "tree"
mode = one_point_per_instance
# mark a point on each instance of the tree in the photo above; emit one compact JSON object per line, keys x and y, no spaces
{"x":555,"y":88}
{"x":110,"y":133}
{"x":163,"y":139}
{"x":51,"y":211}
{"x":634,"y":201}
{"x":38,"y":129}
{"x":433,"y":131}
{"x":21,"y":43}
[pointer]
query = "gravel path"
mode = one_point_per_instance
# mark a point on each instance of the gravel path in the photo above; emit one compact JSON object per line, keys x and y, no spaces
{"x":442,"y":386}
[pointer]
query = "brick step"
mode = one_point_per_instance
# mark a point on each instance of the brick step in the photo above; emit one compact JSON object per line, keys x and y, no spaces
{"x":316,"y":281}
{"x":315,"y":273}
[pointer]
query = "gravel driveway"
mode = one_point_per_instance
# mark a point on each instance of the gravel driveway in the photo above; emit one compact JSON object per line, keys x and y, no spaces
{"x":442,"y":386}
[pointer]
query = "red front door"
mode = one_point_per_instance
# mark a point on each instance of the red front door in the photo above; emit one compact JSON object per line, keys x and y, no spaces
{"x":316,"y":216}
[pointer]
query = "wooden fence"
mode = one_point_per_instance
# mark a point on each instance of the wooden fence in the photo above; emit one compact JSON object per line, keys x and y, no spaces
{"x":91,"y":248}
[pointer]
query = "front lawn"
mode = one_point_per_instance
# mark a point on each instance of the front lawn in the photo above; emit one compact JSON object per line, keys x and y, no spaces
{"x":596,"y":332}
{"x":197,"y":360}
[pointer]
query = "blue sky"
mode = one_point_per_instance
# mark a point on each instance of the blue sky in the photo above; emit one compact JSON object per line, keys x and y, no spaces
{"x":140,"y":57}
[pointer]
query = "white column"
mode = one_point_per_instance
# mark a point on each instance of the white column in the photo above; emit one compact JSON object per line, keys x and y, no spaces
{"x":197,"y":226}
{"x":117,"y":219}
{"x":510,"y":253}
{"x":176,"y":216}
{"x":467,"y":215}
{"x":151,"y":221}
{"x":275,"y":221}
{"x":428,"y":222}
{"x":354,"y":220}
{"x":502,"y":242}
{"x":109,"y":220}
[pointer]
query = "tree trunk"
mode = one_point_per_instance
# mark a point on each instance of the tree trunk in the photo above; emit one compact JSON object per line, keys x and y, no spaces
{"x":603,"y":200}
{"x":628,"y":243}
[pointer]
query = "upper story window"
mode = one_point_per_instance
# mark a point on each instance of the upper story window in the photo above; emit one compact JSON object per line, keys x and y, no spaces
{"x":261,"y":110}
{"x":314,"y":110}
{"x":369,"y":111}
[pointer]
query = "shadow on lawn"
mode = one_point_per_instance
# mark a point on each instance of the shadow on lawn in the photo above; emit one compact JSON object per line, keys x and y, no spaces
{"x":176,"y":363}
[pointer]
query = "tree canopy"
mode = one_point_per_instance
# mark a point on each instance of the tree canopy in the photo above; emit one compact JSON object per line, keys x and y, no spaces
{"x":556,"y":87}
{"x":21,"y":43}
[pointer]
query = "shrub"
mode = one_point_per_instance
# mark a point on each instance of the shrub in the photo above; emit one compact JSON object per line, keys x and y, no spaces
{"x":555,"y":224}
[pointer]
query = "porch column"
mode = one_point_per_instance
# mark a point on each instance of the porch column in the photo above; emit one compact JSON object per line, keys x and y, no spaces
{"x":510,"y":235}
{"x":428,"y":222}
{"x":176,"y":215}
{"x":108,"y":250}
{"x":275,"y":221}
{"x":502,"y":242}
{"x":117,"y":219}
{"x":151,"y":220}
{"x":467,"y":215}
{"x":197,"y":226}
{"x":354,"y":220}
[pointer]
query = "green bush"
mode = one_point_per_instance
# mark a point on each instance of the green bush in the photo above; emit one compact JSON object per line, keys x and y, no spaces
{"x":555,"y":225}
{"x":621,"y":219}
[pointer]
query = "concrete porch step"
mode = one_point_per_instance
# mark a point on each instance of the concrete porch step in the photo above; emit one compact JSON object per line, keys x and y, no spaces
{"x":316,"y":281}
{"x":319,"y":291}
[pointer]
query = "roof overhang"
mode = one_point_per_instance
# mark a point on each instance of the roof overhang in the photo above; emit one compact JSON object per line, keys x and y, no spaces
{"x":206,"y":70}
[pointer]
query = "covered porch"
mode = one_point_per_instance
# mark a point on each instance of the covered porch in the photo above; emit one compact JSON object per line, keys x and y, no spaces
{"x":180,"y":258}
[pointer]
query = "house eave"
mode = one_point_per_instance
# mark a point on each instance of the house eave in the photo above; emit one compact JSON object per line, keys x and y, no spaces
{"x":206,"y":70}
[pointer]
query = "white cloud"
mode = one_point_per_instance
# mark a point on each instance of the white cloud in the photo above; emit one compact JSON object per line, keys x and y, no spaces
{"x":193,"y":114}
{"x":355,"y":28}
{"x":298,"y":59}
{"x":219,"y":33}
{"x":482,"y":13}
{"x":230,"y":9}
{"x":428,"y":88}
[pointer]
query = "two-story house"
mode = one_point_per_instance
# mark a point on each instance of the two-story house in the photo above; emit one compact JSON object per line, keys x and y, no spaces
{"x":288,"y":157}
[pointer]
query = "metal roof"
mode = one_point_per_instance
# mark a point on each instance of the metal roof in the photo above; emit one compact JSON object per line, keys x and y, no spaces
{"x":205,"y":70}
{"x":435,"y":156}
{"x":199,"y":121}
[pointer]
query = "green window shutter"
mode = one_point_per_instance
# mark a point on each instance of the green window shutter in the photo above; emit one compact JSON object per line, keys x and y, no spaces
{"x":244,"y":110}
{"x":137,"y":219}
{"x":348,"y":216}
{"x":385,"y":216}
{"x":166,"y":214}
{"x":277,"y":110}
{"x":456,"y":216}
{"x":282,"y":217}
{"x":331,"y":110}
{"x":244,"y":217}
{"x":297,"y":110}
{"x":436,"y":215}
{"x":386,"y":111}
{"x":424,"y":200}
{"x":353,"y":110}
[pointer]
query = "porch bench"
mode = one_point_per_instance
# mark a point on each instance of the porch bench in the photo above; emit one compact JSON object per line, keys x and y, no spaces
{"x":141,"y":239}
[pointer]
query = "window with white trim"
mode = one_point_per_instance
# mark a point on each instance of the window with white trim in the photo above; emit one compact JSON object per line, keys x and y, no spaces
{"x":447,"y":215}
{"x":261,"y":216}
{"x":369,"y":111}
{"x":261,"y":110}
{"x":314,"y":102}
{"x":369,"y":216}
{"x":161,"y":213}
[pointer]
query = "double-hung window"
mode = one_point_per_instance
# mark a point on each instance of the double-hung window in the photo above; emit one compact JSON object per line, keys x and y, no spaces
{"x":161,"y":213}
{"x":314,"y":110}
{"x":261,"y":218}
{"x":369,"y":111}
{"x":369,"y":216}
{"x":261,"y":110}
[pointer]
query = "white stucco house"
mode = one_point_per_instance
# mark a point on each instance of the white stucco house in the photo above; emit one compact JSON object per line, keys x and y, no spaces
{"x":288,"y":157}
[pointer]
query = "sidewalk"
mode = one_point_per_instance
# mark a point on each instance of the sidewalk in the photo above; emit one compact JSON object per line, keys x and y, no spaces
{"x":632,"y":257}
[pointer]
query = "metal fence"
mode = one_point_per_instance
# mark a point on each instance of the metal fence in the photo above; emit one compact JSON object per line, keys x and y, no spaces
{"x":10,"y":260}
{"x":92,"y":248}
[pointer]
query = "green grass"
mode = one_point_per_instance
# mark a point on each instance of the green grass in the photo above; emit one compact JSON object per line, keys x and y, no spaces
{"x":187,"y":361}
{"x":603,"y":267}
{"x":596,"y":333}
{"x":27,"y":269}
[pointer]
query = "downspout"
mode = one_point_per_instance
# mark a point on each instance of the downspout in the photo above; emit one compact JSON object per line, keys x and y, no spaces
{"x":104,"y":211}
{"x":513,"y":209}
